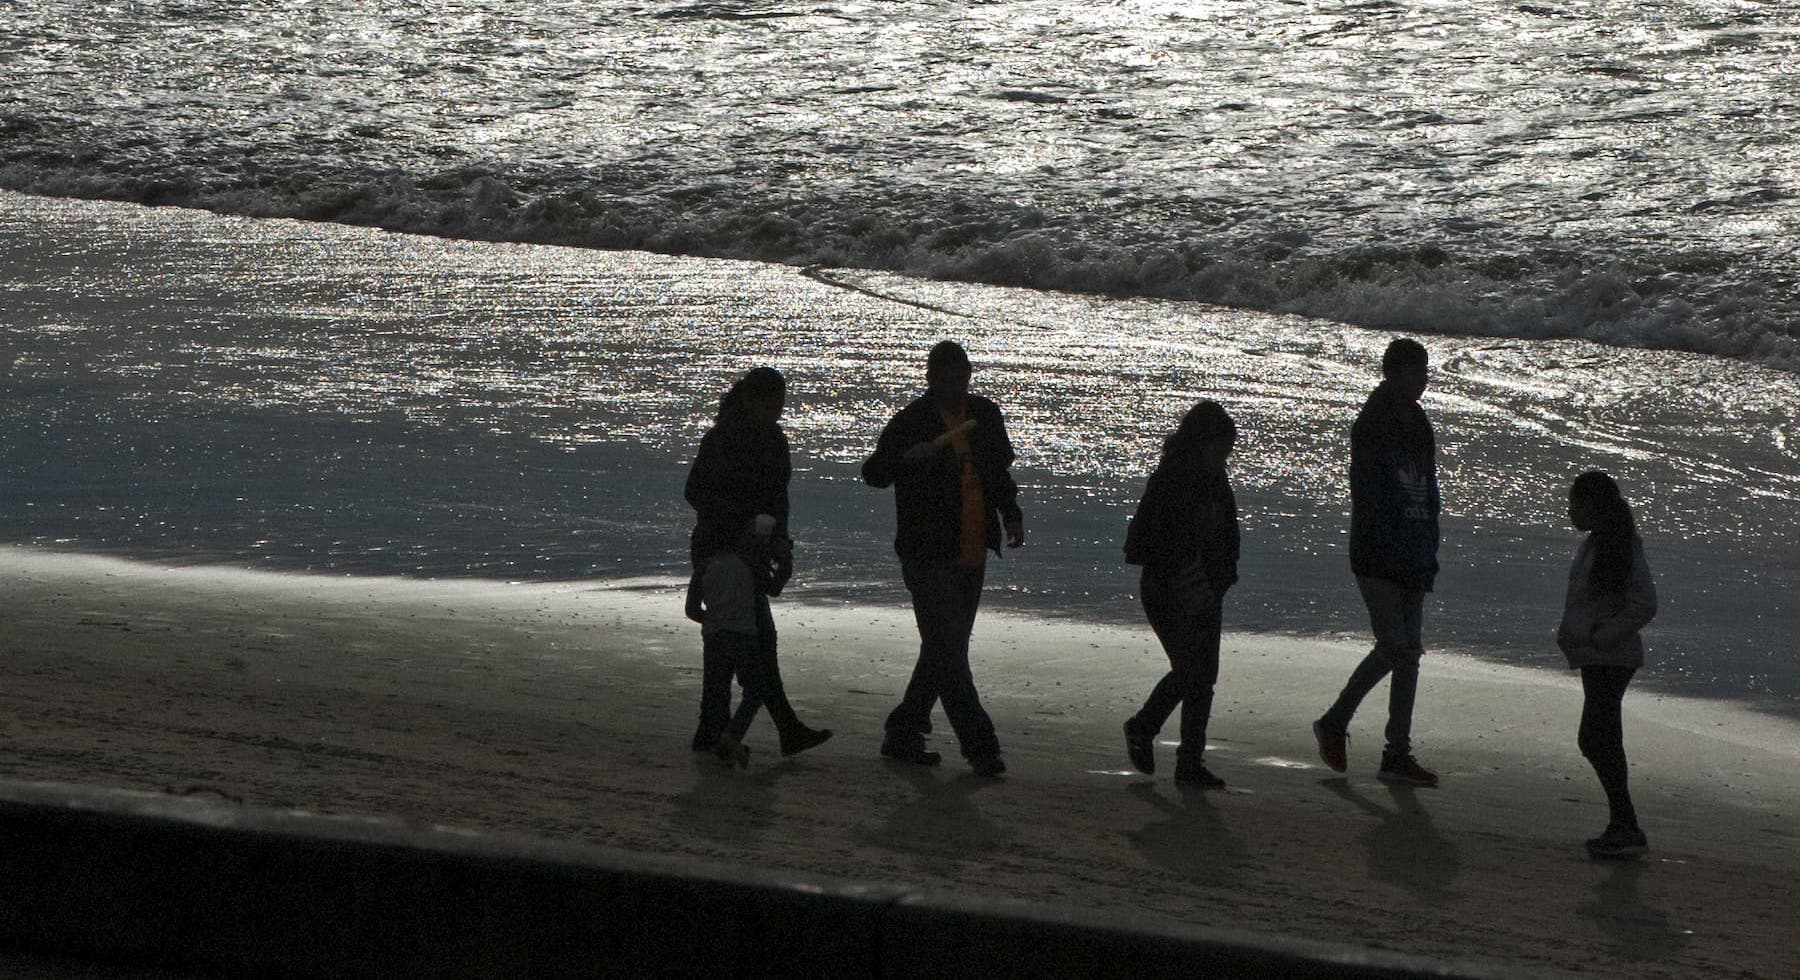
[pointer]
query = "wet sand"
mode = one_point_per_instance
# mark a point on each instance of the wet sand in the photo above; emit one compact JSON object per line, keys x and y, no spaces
{"x":564,"y":711}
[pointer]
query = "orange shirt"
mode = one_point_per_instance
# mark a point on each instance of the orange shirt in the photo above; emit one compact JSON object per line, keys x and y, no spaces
{"x":974,"y":504}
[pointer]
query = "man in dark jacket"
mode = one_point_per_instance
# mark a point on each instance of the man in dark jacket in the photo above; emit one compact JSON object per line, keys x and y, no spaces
{"x":948,"y":459}
{"x":1393,"y":551}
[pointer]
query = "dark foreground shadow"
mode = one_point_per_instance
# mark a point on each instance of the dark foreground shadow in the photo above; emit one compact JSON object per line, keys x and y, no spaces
{"x":1639,"y":931}
{"x":1404,"y":847}
{"x":1190,"y":839}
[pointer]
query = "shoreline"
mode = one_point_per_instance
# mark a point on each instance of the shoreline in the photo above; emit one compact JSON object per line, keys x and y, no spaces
{"x":562,"y":712}
{"x":170,"y":394}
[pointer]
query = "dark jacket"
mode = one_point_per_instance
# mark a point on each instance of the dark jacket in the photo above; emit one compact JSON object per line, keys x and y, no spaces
{"x":742,"y":470}
{"x":928,"y":493}
{"x":1602,"y":628}
{"x":1393,"y":492}
{"x":1187,"y":513}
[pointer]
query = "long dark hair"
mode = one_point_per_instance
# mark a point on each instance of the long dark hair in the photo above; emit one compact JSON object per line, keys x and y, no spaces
{"x":1612,"y":533}
{"x":757,"y":384}
{"x":1206,"y":422}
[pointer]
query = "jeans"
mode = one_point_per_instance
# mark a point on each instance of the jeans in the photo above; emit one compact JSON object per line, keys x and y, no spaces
{"x":946,"y":596}
{"x":1187,"y":622}
{"x":723,"y":656}
{"x":1397,"y":616}
{"x":1602,"y":735}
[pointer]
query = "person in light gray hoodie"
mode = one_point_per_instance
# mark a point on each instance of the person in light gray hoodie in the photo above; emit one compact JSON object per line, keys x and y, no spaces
{"x":1611,"y":598}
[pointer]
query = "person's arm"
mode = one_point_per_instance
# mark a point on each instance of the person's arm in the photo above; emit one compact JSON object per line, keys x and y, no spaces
{"x":1574,"y":633}
{"x":888,"y":461}
{"x":1146,"y":537}
{"x":784,"y":473}
{"x":710,"y":485}
{"x":1638,"y":609}
{"x":1005,"y":490}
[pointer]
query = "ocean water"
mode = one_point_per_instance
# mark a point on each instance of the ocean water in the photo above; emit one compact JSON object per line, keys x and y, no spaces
{"x":1604,"y":169}
{"x":312,"y":397}
{"x":1586,"y":209}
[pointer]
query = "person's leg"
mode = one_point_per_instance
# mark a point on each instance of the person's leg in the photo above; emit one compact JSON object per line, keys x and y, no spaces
{"x":1602,"y":736}
{"x":1403,"y":658}
{"x":1388,"y":622}
{"x":1196,"y":675}
{"x":767,"y":640}
{"x":907,"y":724}
{"x":726,"y":592}
{"x":715,"y":693}
{"x":761,"y":677}
{"x":956,"y":593}
{"x":1160,"y":610}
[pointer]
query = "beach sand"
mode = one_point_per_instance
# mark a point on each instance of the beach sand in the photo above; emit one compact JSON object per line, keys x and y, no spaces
{"x":564,"y":711}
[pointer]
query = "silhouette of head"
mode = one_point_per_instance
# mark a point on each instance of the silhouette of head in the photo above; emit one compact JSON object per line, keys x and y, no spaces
{"x":1405,"y":366}
{"x":1597,"y":506}
{"x":947,"y":371}
{"x":759,"y":395}
{"x":1206,"y":434}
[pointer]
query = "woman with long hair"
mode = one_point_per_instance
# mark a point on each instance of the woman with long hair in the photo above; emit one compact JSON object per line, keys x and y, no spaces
{"x":741,"y":556}
{"x":1610,"y":599}
{"x":1185,"y":535}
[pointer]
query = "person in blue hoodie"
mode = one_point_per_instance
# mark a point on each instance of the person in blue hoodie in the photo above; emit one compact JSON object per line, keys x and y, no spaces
{"x":1185,"y":535}
{"x":1610,"y":598}
{"x":1393,"y":552}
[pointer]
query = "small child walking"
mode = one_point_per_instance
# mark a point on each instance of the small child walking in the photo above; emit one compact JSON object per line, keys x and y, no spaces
{"x":1611,"y":598}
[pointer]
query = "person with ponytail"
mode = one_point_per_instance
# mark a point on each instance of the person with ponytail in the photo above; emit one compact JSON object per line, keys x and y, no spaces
{"x":1610,"y":599}
{"x":741,"y":556}
{"x":1185,"y":535}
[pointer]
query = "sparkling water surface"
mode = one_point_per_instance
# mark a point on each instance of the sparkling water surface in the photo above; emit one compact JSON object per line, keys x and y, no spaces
{"x":1606,"y":169}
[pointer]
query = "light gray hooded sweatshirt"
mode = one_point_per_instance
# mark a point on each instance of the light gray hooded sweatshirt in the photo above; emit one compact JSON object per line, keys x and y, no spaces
{"x":1602,"y":629}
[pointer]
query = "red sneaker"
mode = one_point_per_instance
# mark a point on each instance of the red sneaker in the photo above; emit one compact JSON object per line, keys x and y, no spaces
{"x":1334,"y":746}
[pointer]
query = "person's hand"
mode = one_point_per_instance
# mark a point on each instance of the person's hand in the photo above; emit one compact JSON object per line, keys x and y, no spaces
{"x":762,"y":525}
{"x":693,"y":607}
{"x":1015,"y":534}
{"x":922,"y":450}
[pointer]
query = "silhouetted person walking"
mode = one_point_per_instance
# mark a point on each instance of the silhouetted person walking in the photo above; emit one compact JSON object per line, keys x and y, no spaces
{"x":742,"y":555}
{"x":1611,"y":597}
{"x":1393,"y":551}
{"x":949,"y":460}
{"x":1185,"y":535}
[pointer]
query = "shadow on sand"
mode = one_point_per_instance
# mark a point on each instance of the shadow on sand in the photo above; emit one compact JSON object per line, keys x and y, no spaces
{"x":1190,"y":840}
{"x":940,"y":823}
{"x":1639,"y":930}
{"x":726,"y":805}
{"x":1405,"y":847}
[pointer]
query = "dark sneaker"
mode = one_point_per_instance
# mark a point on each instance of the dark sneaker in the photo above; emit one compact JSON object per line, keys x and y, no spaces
{"x":1334,"y":746}
{"x":1618,"y":841}
{"x":732,"y":752}
{"x":1404,"y":769}
{"x":1141,"y":749}
{"x":1198,"y":776}
{"x":990,"y":766}
{"x":803,"y":739}
{"x":918,"y":755}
